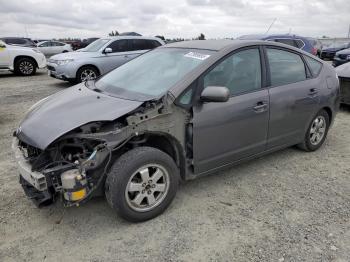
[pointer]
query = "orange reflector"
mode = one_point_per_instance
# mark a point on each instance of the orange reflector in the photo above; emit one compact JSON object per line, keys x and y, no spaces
{"x":77,"y":195}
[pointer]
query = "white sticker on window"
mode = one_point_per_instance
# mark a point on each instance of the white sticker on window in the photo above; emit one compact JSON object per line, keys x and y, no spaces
{"x":196,"y":55}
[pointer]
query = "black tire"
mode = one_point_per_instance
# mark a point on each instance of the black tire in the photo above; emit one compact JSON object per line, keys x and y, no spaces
{"x":65,"y":51}
{"x":307,"y":144}
{"x":92,"y":69}
{"x":25,"y":67}
{"x":122,"y":172}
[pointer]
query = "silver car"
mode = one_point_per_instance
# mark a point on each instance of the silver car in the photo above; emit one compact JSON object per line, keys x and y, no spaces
{"x":98,"y":58}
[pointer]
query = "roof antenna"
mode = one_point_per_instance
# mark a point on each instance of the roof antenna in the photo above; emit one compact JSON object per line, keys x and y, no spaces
{"x":274,"y":20}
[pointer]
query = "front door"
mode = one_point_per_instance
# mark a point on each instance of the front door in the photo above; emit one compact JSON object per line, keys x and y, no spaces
{"x":226,"y":132}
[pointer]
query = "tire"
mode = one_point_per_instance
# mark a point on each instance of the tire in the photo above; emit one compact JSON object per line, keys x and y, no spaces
{"x":25,"y":67}
{"x":65,"y":51}
{"x":126,"y":172}
{"x":310,"y":143}
{"x":86,"y":73}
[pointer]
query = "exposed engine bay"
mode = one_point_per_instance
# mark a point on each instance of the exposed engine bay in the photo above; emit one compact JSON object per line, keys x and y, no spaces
{"x":74,"y":166}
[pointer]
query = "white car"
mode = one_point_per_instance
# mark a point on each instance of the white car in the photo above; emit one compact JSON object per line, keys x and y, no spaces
{"x":21,"y":60}
{"x":49,"y":48}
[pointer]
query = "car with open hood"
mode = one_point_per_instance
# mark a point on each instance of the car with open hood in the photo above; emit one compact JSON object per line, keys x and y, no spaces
{"x":178,"y":112}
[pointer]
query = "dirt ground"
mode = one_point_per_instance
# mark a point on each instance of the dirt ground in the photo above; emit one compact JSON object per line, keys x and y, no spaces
{"x":288,"y":206}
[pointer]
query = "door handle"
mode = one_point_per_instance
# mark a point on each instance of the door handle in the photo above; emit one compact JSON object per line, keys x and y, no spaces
{"x":313,"y":91}
{"x":260,"y":107}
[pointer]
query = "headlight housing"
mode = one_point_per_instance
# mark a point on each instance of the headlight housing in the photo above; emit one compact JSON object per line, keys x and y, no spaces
{"x":64,"y":62}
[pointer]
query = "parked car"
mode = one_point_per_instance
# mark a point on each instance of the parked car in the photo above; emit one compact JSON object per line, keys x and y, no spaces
{"x":296,"y":41}
{"x":341,"y":57}
{"x":343,"y":72}
{"x":49,"y":48}
{"x":180,"y":111}
{"x":21,"y":60}
{"x":36,"y":41}
{"x":87,"y":42}
{"x":330,"y":51}
{"x":99,"y":57}
{"x":18,"y":41}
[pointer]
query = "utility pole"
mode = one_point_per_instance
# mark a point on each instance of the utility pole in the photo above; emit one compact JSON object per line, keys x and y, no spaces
{"x":274,"y":20}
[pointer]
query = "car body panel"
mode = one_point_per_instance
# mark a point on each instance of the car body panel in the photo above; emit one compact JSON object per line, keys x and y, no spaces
{"x":341,"y":57}
{"x":343,"y":72}
{"x":69,"y":109}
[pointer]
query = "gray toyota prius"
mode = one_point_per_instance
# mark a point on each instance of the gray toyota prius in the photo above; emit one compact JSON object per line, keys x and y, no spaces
{"x":178,"y":112}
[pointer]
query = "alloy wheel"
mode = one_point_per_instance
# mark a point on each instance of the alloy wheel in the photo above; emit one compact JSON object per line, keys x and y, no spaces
{"x":26,"y":67}
{"x":147,"y":188}
{"x":87,"y":74}
{"x":317,"y":130}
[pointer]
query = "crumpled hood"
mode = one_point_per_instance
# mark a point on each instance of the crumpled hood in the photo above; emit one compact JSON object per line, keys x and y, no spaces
{"x":64,"y":111}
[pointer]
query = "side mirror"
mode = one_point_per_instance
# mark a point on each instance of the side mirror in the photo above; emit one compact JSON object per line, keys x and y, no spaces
{"x":215,"y":94}
{"x":107,"y":50}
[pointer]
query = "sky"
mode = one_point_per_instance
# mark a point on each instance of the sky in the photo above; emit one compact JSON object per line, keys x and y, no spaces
{"x":173,"y":18}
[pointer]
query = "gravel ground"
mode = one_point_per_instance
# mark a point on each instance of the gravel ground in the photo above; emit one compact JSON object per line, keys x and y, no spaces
{"x":288,"y":206}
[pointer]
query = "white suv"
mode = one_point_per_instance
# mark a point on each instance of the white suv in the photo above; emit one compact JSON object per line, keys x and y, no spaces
{"x":21,"y":60}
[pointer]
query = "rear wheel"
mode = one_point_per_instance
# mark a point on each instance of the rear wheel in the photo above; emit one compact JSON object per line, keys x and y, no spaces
{"x":142,"y":183}
{"x":87,"y":73}
{"x":317,"y":132}
{"x":25,"y":67}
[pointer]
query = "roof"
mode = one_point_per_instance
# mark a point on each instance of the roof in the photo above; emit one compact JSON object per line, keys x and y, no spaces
{"x":264,"y":36}
{"x":214,"y":45}
{"x":131,"y":37}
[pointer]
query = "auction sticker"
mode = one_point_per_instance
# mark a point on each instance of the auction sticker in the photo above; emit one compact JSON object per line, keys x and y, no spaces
{"x":196,"y":55}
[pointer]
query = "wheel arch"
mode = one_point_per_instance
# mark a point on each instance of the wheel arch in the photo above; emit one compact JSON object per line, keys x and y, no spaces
{"x":166,"y":143}
{"x":25,"y":56}
{"x":87,"y":65}
{"x":329,"y":112}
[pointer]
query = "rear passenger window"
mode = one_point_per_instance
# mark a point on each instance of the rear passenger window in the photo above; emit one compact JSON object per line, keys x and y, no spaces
{"x":285,"y":67}
{"x":240,"y":72}
{"x":314,"y":65}
{"x":299,"y":43}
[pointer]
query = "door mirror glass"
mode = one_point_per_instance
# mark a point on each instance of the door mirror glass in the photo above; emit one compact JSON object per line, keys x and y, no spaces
{"x":108,"y":50}
{"x":215,"y":94}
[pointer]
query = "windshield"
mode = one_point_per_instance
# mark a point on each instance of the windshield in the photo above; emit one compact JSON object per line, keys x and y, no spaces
{"x":152,"y":74}
{"x":96,"y":45}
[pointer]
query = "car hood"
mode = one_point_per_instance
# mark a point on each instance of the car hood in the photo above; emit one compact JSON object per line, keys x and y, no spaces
{"x":331,"y":49}
{"x":344,"y":52}
{"x":343,"y":70}
{"x":62,"y":112}
{"x":75,"y":55}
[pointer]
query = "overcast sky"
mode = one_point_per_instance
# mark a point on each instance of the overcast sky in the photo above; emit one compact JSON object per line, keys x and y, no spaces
{"x":172,"y":18}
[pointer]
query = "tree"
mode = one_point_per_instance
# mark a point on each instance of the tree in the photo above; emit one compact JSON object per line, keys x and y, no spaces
{"x":200,"y":37}
{"x":114,"y":33}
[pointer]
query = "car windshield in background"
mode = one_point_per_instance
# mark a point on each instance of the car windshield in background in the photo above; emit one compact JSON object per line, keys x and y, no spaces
{"x":96,"y":45}
{"x":151,"y":74}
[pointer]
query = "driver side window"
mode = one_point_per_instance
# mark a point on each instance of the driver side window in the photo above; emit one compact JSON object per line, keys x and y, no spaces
{"x":119,"y":46}
{"x":240,"y":72}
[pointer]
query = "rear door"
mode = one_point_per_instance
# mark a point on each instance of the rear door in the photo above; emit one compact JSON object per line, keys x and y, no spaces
{"x":293,"y":97}
{"x":226,"y":132}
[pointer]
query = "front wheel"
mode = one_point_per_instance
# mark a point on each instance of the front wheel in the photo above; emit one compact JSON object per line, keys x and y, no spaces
{"x":142,"y":183}
{"x":25,"y":67}
{"x":86,"y":73}
{"x":317,"y":132}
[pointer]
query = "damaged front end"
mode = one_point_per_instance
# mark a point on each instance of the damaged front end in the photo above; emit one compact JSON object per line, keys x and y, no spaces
{"x":75,"y":165}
